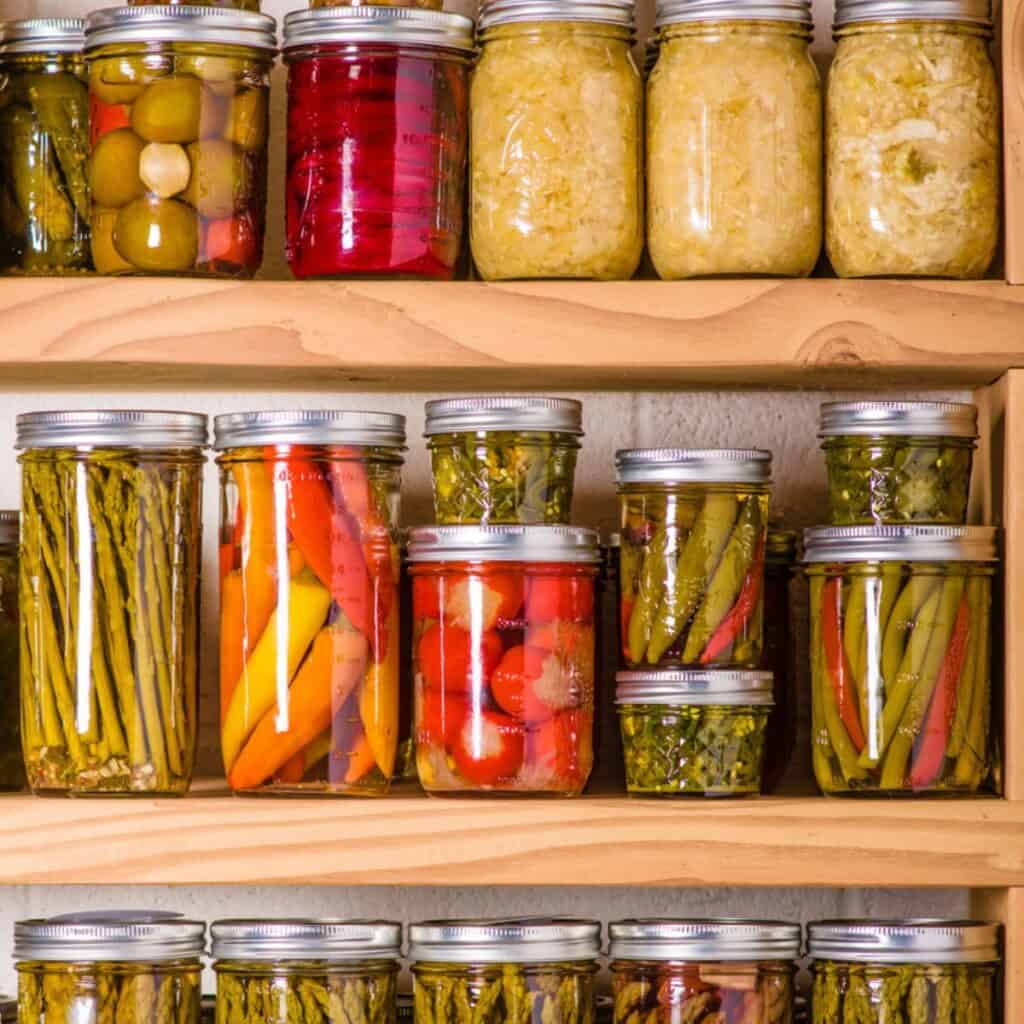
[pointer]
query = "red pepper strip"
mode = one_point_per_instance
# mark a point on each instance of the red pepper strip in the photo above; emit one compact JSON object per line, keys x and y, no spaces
{"x":838,"y":664}
{"x":733,"y":625}
{"x":933,"y":741}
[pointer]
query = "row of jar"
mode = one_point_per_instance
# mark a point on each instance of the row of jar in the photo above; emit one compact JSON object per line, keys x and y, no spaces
{"x":160,"y":166}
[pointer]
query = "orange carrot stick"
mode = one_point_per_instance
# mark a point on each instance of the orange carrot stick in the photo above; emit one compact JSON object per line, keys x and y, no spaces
{"x":360,"y":761}
{"x":293,"y":770}
{"x":232,"y":637}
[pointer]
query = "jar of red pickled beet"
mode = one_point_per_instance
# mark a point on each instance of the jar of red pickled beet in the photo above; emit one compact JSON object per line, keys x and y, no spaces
{"x":377,"y":140}
{"x":503,"y":657}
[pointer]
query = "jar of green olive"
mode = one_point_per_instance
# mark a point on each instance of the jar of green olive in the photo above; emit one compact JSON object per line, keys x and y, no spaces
{"x":12,"y":768}
{"x":924,"y":971}
{"x":898,"y":462}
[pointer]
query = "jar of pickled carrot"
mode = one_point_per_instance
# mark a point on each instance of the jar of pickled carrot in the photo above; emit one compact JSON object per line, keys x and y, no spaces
{"x":309,"y":599}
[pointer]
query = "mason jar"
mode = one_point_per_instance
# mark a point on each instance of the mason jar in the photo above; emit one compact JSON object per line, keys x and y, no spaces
{"x":309,"y":599}
{"x":12,"y":765}
{"x":109,"y":585}
{"x":777,"y":655}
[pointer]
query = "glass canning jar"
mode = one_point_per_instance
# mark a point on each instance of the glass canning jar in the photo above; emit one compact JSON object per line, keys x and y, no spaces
{"x":44,"y":144}
{"x":310,"y":562}
{"x":734,"y":141}
{"x":501,"y":460}
{"x":12,"y":766}
{"x":556,"y":142}
{"x":696,"y":970}
{"x":925,"y":971}
{"x":901,"y":638}
{"x":694,"y":524}
{"x":913,"y":150}
{"x":503,"y":657}
{"x":109,"y":587}
{"x":178,"y":165}
{"x":777,"y":655}
{"x":377,"y":140}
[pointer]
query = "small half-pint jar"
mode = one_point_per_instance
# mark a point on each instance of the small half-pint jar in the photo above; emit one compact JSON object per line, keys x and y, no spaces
{"x":898,"y":462}
{"x":697,"y":970}
{"x":928,"y":970}
{"x":693,"y":732}
{"x":694,"y":525}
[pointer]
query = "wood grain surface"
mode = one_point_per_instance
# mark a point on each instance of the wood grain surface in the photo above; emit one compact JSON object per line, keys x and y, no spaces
{"x":1013,"y":132}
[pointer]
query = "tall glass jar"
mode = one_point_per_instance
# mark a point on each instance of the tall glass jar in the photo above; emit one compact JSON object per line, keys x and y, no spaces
{"x":556,"y":142}
{"x":178,"y":166}
{"x":109,"y":586}
{"x":12,"y":765}
{"x":309,"y":599}
{"x":44,"y":145}
{"x":913,"y":140}
{"x":777,"y":655}
{"x":734,"y":141}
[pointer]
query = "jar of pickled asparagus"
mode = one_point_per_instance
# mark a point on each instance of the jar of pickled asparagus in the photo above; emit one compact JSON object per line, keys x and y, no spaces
{"x":924,"y":971}
{"x":901,"y":638}
{"x":777,"y":655}
{"x":309,"y":599}
{"x":697,"y":970}
{"x":178,"y":166}
{"x":505,"y":971}
{"x":500,"y":460}
{"x":44,"y":144}
{"x":503,"y":657}
{"x":694,"y":526}
{"x":898,"y":462}
{"x":12,"y":765}
{"x":109,"y":587}
{"x":913,"y":149}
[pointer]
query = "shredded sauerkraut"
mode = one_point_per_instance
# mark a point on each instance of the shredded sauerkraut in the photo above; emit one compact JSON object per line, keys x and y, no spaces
{"x":734,"y":176}
{"x":555,"y":154}
{"x":913,"y":153}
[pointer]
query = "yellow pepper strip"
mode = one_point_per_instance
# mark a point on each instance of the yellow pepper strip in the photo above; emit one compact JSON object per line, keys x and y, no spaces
{"x":378,"y":702}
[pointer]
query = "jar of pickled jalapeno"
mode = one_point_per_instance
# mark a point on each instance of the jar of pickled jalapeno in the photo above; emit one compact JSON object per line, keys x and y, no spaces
{"x":500,"y":460}
{"x":694,"y":525}
{"x":901,"y":639}
{"x":44,"y":145}
{"x":310,"y":561}
{"x":505,"y":971}
{"x":109,"y":587}
{"x":12,"y":766}
{"x":898,"y":462}
{"x":924,"y":971}
{"x":178,"y":167}
{"x":777,"y":655}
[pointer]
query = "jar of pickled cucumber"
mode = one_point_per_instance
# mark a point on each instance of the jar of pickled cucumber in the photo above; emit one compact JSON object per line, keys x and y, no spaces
{"x":697,"y":970}
{"x":12,"y":766}
{"x":44,"y":145}
{"x":178,"y":163}
{"x":925,"y":971}
{"x":898,"y":462}
{"x":109,"y":587}
{"x":500,"y":460}
{"x":777,"y":654}
{"x":901,"y":640}
{"x":913,"y":149}
{"x":505,"y":971}
{"x":694,"y":526}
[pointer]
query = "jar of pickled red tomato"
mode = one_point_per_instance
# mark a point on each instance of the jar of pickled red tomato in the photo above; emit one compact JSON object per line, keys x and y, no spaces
{"x":777,"y":654}
{"x":309,"y":634}
{"x":377,"y":137}
{"x":504,"y":649}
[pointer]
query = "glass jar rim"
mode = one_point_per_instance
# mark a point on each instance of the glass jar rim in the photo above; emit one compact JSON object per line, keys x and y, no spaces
{"x":512,"y":543}
{"x":695,"y":687}
{"x":169,"y":23}
{"x":677,"y":12}
{"x":309,"y":426}
{"x":909,"y":543}
{"x":923,"y":940}
{"x":968,"y":12}
{"x":693,"y":465}
{"x":41,"y":35}
{"x":475,"y":413}
{"x":138,"y":936}
{"x":372,"y":24}
{"x":899,"y":418}
{"x":519,"y":940}
{"x":130,"y":428}
{"x":713,"y":940}
{"x":599,"y":12}
{"x":304,"y":939}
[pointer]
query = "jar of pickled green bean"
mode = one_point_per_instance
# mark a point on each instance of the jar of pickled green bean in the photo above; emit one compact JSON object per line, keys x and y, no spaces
{"x":12,"y":768}
{"x":901,"y":638}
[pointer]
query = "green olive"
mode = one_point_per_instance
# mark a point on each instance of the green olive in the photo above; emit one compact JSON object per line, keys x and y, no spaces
{"x":105,"y":258}
{"x":157,"y":235}
{"x":247,"y":125}
{"x":221,"y":75}
{"x":170,"y":110}
{"x":114,"y":168}
{"x":221,"y":180}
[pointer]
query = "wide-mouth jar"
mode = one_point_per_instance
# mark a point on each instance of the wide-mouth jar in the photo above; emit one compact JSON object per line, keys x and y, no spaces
{"x":309,"y":599}
{"x":777,"y":656}
{"x":12,"y":766}
{"x":898,"y":462}
{"x":694,"y":525}
{"x":503,"y":459}
{"x":901,"y":642}
{"x":109,"y":588}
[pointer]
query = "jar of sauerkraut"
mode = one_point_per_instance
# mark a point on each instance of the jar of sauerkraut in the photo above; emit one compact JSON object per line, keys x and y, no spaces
{"x":556,"y":141}
{"x":734,"y":141}
{"x":912,"y":140}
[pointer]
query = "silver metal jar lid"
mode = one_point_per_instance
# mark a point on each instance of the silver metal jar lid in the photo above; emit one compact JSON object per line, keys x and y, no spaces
{"x":600,"y":12}
{"x":494,"y":412}
{"x":9,"y":521}
{"x":574,"y":544}
{"x":704,"y":687}
{"x":693,"y":465}
{"x":130,"y":935}
{"x":515,"y":940}
{"x":733,"y":940}
{"x":167,"y":23}
{"x":901,"y":544}
{"x":369,"y":24}
{"x":930,"y":941}
{"x":309,"y":426}
{"x":128,"y":428}
{"x":305,"y":939}
{"x":971,"y":12}
{"x":42,"y":35}
{"x":675,"y":12}
{"x":900,"y":419}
